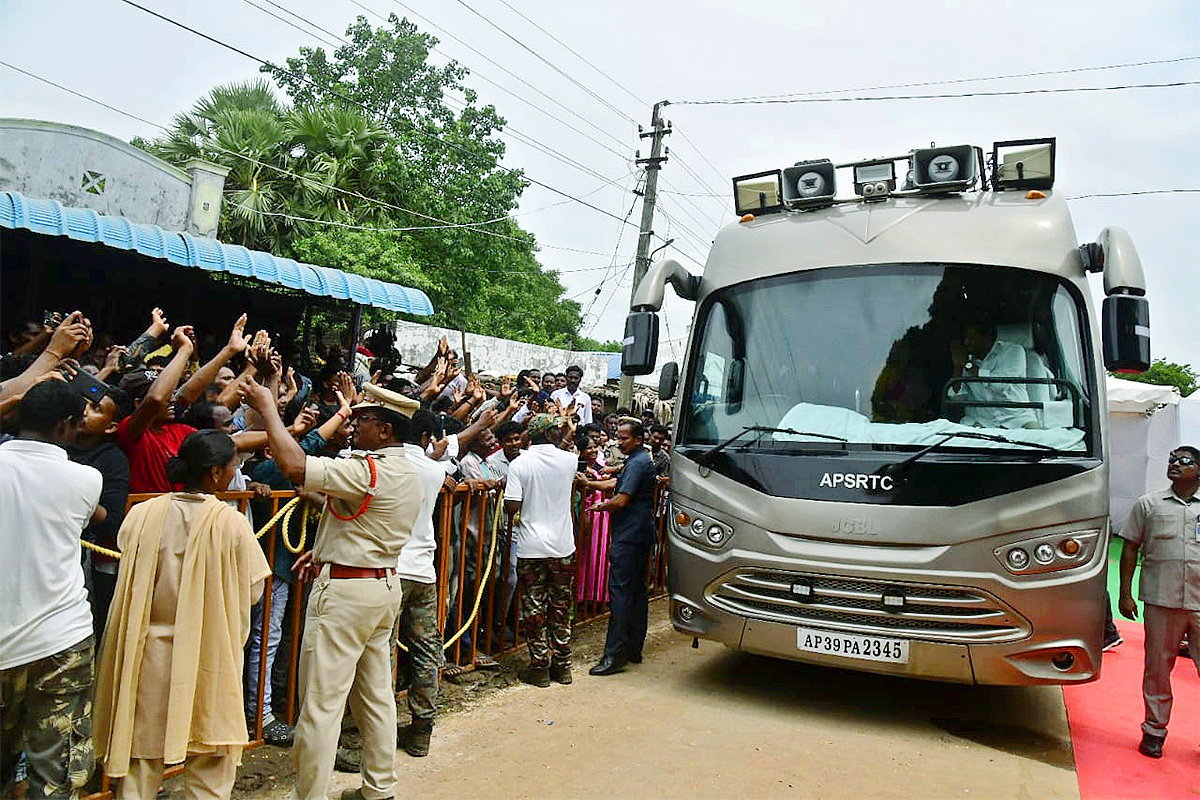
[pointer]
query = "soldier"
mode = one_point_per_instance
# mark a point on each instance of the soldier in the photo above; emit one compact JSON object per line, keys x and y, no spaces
{"x":374,"y":499}
{"x":539,"y":490}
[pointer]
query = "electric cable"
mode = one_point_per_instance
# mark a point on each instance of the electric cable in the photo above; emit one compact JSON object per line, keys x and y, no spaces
{"x":442,"y":223}
{"x":495,"y":63}
{"x":951,"y":81}
{"x":491,"y":162}
{"x":551,"y":65}
{"x":945,"y":96}
{"x":570,"y":50}
{"x":289,"y":23}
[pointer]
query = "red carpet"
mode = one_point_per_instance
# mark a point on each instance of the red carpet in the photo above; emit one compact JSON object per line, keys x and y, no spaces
{"x":1106,"y":717}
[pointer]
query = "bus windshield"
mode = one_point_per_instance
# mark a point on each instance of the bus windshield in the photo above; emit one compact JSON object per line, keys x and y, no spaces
{"x":897,"y":356}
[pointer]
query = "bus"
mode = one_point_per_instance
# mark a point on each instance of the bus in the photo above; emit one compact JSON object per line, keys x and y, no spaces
{"x":890,"y":440}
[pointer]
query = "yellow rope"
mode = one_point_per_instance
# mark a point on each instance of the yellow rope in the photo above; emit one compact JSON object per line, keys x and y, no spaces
{"x":487,"y":571}
{"x":285,"y":511}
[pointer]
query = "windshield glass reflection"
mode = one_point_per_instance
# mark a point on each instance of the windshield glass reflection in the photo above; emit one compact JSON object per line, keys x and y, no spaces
{"x":892,"y":355}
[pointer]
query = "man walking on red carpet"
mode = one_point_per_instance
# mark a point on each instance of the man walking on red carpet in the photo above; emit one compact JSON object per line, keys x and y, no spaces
{"x":1165,"y":526}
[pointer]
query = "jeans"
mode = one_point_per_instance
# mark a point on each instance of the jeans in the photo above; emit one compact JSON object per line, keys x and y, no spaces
{"x":279,"y":598}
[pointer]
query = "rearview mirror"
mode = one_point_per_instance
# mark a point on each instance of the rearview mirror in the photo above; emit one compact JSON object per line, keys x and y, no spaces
{"x":640,"y":346}
{"x":668,"y":380}
{"x":1126,"y":332}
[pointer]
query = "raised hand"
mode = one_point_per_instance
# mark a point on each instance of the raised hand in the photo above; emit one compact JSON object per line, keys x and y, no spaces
{"x":305,"y":420}
{"x":183,"y":336}
{"x":255,"y":394}
{"x":112,"y":361}
{"x":532,"y":384}
{"x":68,"y":335}
{"x":82,"y":347}
{"x":343,"y":384}
{"x":238,"y":341}
{"x":158,"y":323}
{"x":506,"y":388}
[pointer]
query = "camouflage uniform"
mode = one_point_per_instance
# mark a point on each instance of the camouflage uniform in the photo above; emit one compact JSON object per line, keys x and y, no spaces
{"x":46,"y":707}
{"x":419,"y":632}
{"x":547,"y":588}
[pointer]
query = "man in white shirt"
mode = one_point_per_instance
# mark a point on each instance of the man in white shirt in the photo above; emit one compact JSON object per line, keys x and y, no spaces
{"x":982,"y":355}
{"x":46,"y":644}
{"x":572,"y":393}
{"x":538,"y":491}
{"x":418,"y":622}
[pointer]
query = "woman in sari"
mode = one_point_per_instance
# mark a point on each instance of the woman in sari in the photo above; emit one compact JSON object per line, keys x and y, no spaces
{"x":592,"y":583}
{"x":169,"y":680}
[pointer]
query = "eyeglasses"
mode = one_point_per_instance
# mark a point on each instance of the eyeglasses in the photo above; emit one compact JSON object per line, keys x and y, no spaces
{"x":1187,"y":461}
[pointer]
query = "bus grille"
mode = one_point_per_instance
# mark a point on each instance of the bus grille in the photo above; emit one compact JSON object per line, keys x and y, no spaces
{"x":853,"y":605}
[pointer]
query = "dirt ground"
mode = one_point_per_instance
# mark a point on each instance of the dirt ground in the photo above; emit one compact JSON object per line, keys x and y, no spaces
{"x":708,"y":722}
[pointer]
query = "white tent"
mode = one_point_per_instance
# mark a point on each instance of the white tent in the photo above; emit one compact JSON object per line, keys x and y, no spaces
{"x":1143,"y":428}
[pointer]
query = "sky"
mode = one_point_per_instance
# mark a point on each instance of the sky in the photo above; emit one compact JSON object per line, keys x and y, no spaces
{"x":575,"y":80}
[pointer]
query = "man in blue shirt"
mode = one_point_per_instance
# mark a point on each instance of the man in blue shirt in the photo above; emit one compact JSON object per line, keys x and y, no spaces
{"x":633,"y":536}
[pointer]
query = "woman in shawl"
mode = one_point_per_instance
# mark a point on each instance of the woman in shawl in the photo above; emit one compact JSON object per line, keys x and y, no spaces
{"x":169,"y":685}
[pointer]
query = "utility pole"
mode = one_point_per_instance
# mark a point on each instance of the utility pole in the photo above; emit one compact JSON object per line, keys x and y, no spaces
{"x":642,"y":263}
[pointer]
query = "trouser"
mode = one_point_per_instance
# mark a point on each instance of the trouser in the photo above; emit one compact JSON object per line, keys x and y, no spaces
{"x":1164,"y":629}
{"x":629,"y":605}
{"x":419,"y":632}
{"x":101,"y":588}
{"x":279,"y":598}
{"x":46,"y":709}
{"x":347,"y":654}
{"x":547,"y":588}
{"x":204,"y":776}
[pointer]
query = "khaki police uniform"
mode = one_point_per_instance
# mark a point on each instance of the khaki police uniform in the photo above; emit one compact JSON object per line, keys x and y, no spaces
{"x":1167,"y":528}
{"x":351,"y":612}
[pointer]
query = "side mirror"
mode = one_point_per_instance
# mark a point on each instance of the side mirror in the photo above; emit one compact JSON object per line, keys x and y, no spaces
{"x":1126,"y":332}
{"x":640,"y":347}
{"x":668,"y":380}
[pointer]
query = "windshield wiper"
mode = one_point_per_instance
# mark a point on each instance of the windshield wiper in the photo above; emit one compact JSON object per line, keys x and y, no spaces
{"x":707,"y":456}
{"x":991,"y":437}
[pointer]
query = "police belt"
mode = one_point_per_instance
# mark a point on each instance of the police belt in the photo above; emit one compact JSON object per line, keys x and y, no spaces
{"x":342,"y":571}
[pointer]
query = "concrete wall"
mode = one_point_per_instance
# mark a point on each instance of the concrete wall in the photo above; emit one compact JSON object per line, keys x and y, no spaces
{"x":417,"y":344}
{"x":88,"y":169}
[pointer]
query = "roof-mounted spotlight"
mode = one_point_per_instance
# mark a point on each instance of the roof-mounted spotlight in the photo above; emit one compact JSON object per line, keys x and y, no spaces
{"x":945,"y":169}
{"x":760,"y":193}
{"x":809,"y":184}
{"x":1023,"y":164}
{"x":875,"y":180}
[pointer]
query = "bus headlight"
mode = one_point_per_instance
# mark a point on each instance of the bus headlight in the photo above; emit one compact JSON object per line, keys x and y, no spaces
{"x":702,"y":530}
{"x":1050,"y":552}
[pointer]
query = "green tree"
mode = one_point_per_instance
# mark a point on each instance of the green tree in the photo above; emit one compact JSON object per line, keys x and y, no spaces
{"x":1166,"y":373}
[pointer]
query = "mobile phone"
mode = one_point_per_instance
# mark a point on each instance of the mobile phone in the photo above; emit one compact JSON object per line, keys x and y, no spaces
{"x":90,"y":387}
{"x":440,"y":429}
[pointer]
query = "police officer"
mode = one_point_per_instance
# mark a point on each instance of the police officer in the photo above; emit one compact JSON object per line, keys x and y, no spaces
{"x":374,"y":498}
{"x":633,"y":536}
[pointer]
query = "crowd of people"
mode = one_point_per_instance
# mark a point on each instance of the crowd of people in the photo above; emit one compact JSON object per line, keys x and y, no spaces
{"x":144,"y":649}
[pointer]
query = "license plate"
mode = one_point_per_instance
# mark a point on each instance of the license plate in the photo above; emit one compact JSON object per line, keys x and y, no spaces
{"x":851,"y":645}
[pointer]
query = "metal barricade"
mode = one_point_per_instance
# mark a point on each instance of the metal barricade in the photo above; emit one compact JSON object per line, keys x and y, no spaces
{"x":480,"y":601}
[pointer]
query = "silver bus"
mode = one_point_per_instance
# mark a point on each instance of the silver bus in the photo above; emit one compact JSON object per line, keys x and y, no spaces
{"x":890,"y":446}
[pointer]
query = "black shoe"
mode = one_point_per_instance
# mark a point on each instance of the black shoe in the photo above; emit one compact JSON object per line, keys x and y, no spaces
{"x":278,"y":733}
{"x":608,"y":666}
{"x":1151,"y":746}
{"x":635,"y":659}
{"x":560,"y":673}
{"x":414,"y":737}
{"x":535,"y":676}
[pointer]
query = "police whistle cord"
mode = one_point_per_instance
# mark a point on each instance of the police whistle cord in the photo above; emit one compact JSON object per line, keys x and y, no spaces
{"x":285,"y":512}
{"x":487,"y":572}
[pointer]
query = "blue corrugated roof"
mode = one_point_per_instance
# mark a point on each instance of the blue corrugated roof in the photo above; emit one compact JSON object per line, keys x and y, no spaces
{"x":85,"y":225}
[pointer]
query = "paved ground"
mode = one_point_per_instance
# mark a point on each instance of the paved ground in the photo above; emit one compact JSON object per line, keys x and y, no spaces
{"x":713,"y":723}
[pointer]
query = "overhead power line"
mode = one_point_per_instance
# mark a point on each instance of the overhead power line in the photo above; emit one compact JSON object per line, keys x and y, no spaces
{"x":493,"y":62}
{"x":878,"y":98}
{"x":951,"y":81}
{"x":573,"y":52}
{"x":283,"y":171}
{"x":550,"y":64}
{"x":288,"y":22}
{"x":412,"y":128}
